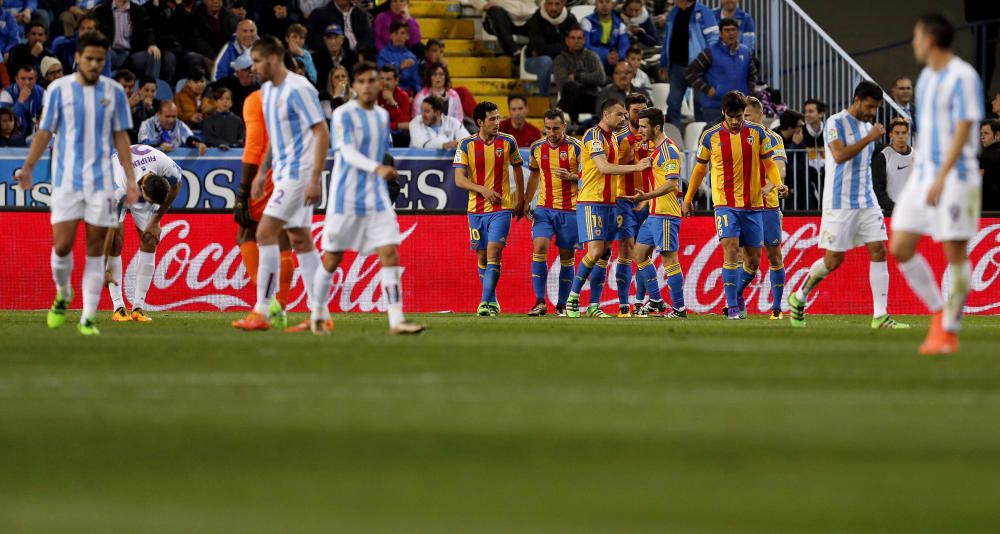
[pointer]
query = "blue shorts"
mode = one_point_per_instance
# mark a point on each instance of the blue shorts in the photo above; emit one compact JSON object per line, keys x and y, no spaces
{"x":772,"y":227}
{"x":747,"y":225}
{"x":628,"y":220}
{"x":660,"y":232}
{"x":562,"y":224}
{"x":595,"y":222}
{"x":488,"y":228}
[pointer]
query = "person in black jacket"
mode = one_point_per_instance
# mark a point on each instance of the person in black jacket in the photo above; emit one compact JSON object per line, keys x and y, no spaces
{"x":355,"y":22}
{"x":223,"y":129}
{"x":547,"y":30}
{"x":136,"y":49}
{"x":209,"y":27}
{"x":989,"y":164}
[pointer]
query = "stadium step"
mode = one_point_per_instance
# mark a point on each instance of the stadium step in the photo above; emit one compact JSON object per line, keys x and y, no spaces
{"x":447,"y":29}
{"x":536,"y":104}
{"x":435,"y":10}
{"x":474,"y":67}
{"x":465,"y":47}
{"x":493,"y":86}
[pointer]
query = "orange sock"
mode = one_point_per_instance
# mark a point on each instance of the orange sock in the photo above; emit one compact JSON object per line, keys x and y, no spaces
{"x":250,"y":255}
{"x":285,"y":278}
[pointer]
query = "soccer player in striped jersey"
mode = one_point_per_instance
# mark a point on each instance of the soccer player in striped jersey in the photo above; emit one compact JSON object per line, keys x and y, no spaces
{"x":595,"y":205}
{"x":298,"y":138}
{"x":851,"y":214}
{"x":629,"y":216}
{"x":738,"y":152}
{"x":89,"y":116}
{"x":359,"y":214}
{"x":942,"y":197}
{"x":555,"y":173}
{"x":661,"y":230}
{"x":481,"y":168}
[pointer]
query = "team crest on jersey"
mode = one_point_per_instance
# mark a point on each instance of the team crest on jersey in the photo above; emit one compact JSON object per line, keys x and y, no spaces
{"x":832,"y":133}
{"x":499,"y":152}
{"x":104,"y":101}
{"x":749,"y":139}
{"x":563,"y":155}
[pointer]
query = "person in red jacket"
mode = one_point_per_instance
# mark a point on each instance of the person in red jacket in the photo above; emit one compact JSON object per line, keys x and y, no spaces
{"x":397,"y":102}
{"x":517,"y":124}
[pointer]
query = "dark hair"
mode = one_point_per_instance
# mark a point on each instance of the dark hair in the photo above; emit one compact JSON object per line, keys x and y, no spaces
{"x":388,"y":67}
{"x":362,"y":68}
{"x":896,"y":81}
{"x":146,"y":79}
{"x":33,"y":24}
{"x":26,"y":67}
{"x":573,"y":28}
{"x":868,"y":89}
{"x":627,"y":2}
{"x":820,"y":106}
{"x":155,"y":188}
{"x":633,"y":49}
{"x":95,"y":39}
{"x":398,"y":25}
{"x":429,"y":73}
{"x":610,"y":103}
{"x":733,"y":102}
{"x":789,"y":119}
{"x":435,"y":102}
{"x":654,"y":115}
{"x":554,"y":113}
{"x":483,"y":109}
{"x":520,"y":97}
{"x":726,"y":22}
{"x":9,"y":111}
{"x":899,"y":121}
{"x":938,"y":27}
{"x":435,"y":42}
{"x":636,"y":98}
{"x":88,"y":16}
{"x":296,"y":29}
{"x":994,"y":125}
{"x":197,"y":73}
{"x":125,"y":75}
{"x":269,"y":46}
{"x":219,"y":92}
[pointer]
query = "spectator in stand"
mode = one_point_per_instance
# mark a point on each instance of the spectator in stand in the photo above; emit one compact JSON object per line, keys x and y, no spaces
{"x":641,"y":29}
{"x":722,"y":67}
{"x":619,"y":88}
{"x":547,"y":39}
{"x":10,"y":135}
{"x":812,"y":141}
{"x":26,"y":11}
{"x":396,"y":53}
{"x":433,"y":56}
{"x":332,"y":54}
{"x":241,"y":85}
{"x":145,"y":108}
{"x":193,"y":105}
{"x":606,"y":35}
{"x":989,"y":163}
{"x":892,"y":164}
{"x":438,"y":83}
{"x":744,"y":22}
{"x":306,"y":7}
{"x":276,"y":16}
{"x":995,"y":106}
{"x":902,"y":95}
{"x":70,"y":18}
{"x":223,"y":129}
{"x":10,"y":36}
{"x":505,"y":19}
{"x":24,"y":97}
{"x":399,"y":11}
{"x":640,"y":80}
{"x":295,"y":41}
{"x":435,"y":129}
{"x":130,"y":29}
{"x":245,"y":37}
{"x":171,"y":20}
{"x":790,"y":129}
{"x":395,"y":100}
{"x":354,"y":21}
{"x":208,"y":29}
{"x":166,"y":132}
{"x":691,"y":27}
{"x":579,"y":75}
{"x":126,"y":79}
{"x":31,"y":52}
{"x":336,"y":91}
{"x":517,"y":124}
{"x":64,"y":48}
{"x":51,"y":70}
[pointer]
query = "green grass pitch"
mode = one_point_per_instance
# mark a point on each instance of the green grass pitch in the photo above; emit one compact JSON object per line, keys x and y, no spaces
{"x":497,"y":425}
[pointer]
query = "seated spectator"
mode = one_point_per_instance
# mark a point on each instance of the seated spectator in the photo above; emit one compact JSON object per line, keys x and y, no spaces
{"x":51,"y":70}
{"x":337,"y":88}
{"x":395,"y":100}
{"x":24,"y":97}
{"x":31,"y":52}
{"x":70,"y":18}
{"x":245,"y":37}
{"x":126,"y":79}
{"x":639,"y":25}
{"x":10,"y":134}
{"x":192,"y":104}
{"x":332,"y":54}
{"x":547,"y":39}
{"x":207,"y":30}
{"x":223,"y":129}
{"x":133,"y":44}
{"x":619,"y":88}
{"x":396,"y":53}
{"x":640,"y":80}
{"x":721,"y":67}
{"x":438,"y":83}
{"x":26,"y":11}
{"x":166,"y":132}
{"x":506,"y":18}
{"x":432,"y":57}
{"x":356,"y":24}
{"x":606,"y":34}
{"x":435,"y":129}
{"x":517,"y":124}
{"x":989,"y":164}
{"x":295,"y":41}
{"x":276,"y":16}
{"x":399,"y":11}
{"x":145,"y":108}
{"x":579,"y":75}
{"x":747,"y":28}
{"x":10,"y":36}
{"x":241,"y":85}
{"x":64,"y":48}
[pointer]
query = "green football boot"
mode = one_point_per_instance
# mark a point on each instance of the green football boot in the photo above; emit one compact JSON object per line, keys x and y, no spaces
{"x":594,"y":310}
{"x":88,"y":328}
{"x":573,"y":306}
{"x":483,"y":310}
{"x":57,"y":313}
{"x":797,"y":316}
{"x":886,"y":321}
{"x":276,"y":315}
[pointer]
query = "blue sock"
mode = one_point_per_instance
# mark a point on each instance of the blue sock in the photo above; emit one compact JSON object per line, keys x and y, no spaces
{"x":649,"y":280}
{"x":675,"y":281}
{"x":777,"y":287}
{"x":746,"y":278}
{"x":730,"y":281}
{"x":597,"y":279}
{"x":623,"y":279}
{"x":539,"y":275}
{"x":490,"y":278}
{"x":586,"y":265}
{"x":640,"y":286}
{"x":481,"y":268}
{"x":566,"y":271}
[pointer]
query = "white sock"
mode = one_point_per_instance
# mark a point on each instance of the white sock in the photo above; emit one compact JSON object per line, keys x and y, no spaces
{"x":322,"y":280}
{"x":115,"y":288}
{"x":93,"y":281}
{"x":62,"y":268}
{"x":960,"y":273}
{"x":267,"y":276}
{"x":143,"y":278}
{"x":309,"y":263}
{"x":392,"y":291}
{"x":878,"y":277}
{"x":920,"y":277}
{"x":817,"y":272}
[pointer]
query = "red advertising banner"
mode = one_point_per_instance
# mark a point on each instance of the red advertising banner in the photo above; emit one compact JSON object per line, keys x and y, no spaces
{"x":199,"y":268}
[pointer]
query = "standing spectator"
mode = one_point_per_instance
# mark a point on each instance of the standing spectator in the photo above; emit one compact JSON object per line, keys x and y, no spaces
{"x":193,"y":105}
{"x":308,"y":6}
{"x":145,"y":108}
{"x":332,"y":54}
{"x":245,"y":37}
{"x":505,"y":19}
{"x":892,"y":164}
{"x":606,"y":35}
{"x":989,"y":164}
{"x":399,"y":11}
{"x":812,"y":141}
{"x":579,"y":74}
{"x":432,"y":57}
{"x":355,"y":22}
{"x":790,"y":126}
{"x":241,"y":85}
{"x":691,"y":27}
{"x":170,"y":21}
{"x":208,"y":29}
{"x":10,"y":36}
{"x":902,"y":95}
{"x":24,"y":97}
{"x":223,"y":129}
{"x":517,"y":124}
{"x":641,"y":29}
{"x":435,"y":129}
{"x":130,"y":30}
{"x":51,"y":70}
{"x":276,"y":16}
{"x":295,"y":39}
{"x":166,"y":132}
{"x":395,"y":100}
{"x":64,"y":48}
{"x":26,"y":11}
{"x":722,"y":67}
{"x":547,"y":30}
{"x":29,"y":53}
{"x":70,"y":18}
{"x":396,"y":53}
{"x":618,"y":89}
{"x":744,"y":22}
{"x":10,"y":135}
{"x":640,"y":80}
{"x":438,"y":83}
{"x":995,"y":106}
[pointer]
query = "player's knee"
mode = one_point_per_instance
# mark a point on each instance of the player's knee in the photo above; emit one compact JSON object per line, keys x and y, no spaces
{"x":388,"y":257}
{"x":833,"y":261}
{"x":607,"y":254}
{"x":877,"y":252}
{"x":900,"y":251}
{"x":774,"y":257}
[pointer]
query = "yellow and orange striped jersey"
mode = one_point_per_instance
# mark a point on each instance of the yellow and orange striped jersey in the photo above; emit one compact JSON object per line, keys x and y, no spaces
{"x":488,"y":165}
{"x":666,"y":166}
{"x":597,"y":188}
{"x":771,"y":172}
{"x":629,"y":143}
{"x":553,"y":192}
{"x":736,"y":163}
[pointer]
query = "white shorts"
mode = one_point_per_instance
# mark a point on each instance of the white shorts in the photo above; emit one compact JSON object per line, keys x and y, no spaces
{"x":141,"y":213}
{"x":98,"y":208}
{"x":845,"y":229}
{"x":288,"y":203}
{"x":361,"y":233}
{"x":955,"y":218}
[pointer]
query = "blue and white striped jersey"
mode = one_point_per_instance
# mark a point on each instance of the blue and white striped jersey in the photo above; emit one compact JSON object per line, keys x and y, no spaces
{"x":145,"y":160}
{"x":355,"y":190}
{"x":290,"y":111}
{"x":944,"y":98}
{"x":83,"y":119}
{"x":848,"y":185}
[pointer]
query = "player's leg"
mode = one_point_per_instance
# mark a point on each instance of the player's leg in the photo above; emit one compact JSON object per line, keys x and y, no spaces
{"x":751,"y":241}
{"x":279,"y":318}
{"x":648,"y":238}
{"x":114,"y":276}
{"x":836,"y":237}
{"x":145,"y":263}
{"x":607,"y":228}
{"x":672,"y":266}
{"x":567,"y":271}
{"x":67,"y":212}
{"x":301,"y":241}
{"x":623,"y":275}
{"x":268,"y":230}
{"x":93,"y":276}
{"x":640,"y":288}
{"x":319,"y":311}
{"x":477,"y":243}
{"x":589,"y":229}
{"x":777,"y":277}
{"x":246,"y":237}
{"x":878,"y":278}
{"x":728,"y":224}
{"x":497,"y":231}
{"x":392,"y":289}
{"x":958,"y":292}
{"x":539,"y":273}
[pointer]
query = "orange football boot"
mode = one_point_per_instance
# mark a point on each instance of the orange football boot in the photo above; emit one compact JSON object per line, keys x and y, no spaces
{"x":938,"y":341}
{"x":253,"y":321}
{"x":304,"y":326}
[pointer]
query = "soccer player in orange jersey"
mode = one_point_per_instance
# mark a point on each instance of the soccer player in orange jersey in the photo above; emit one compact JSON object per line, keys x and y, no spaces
{"x":555,"y":171}
{"x":629,"y":214}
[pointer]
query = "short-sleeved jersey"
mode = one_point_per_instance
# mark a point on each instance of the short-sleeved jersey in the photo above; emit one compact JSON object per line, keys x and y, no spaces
{"x":356,"y":191}
{"x":488,"y":165}
{"x":771,"y":200}
{"x":83,"y":119}
{"x":666,"y":166}
{"x":736,"y":162}
{"x":597,"y":188}
{"x":946,"y":97}
{"x":555,"y":193}
{"x":848,"y":185}
{"x":290,"y":111}
{"x":256,"y":131}
{"x":145,"y":160}
{"x":629,"y":143}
